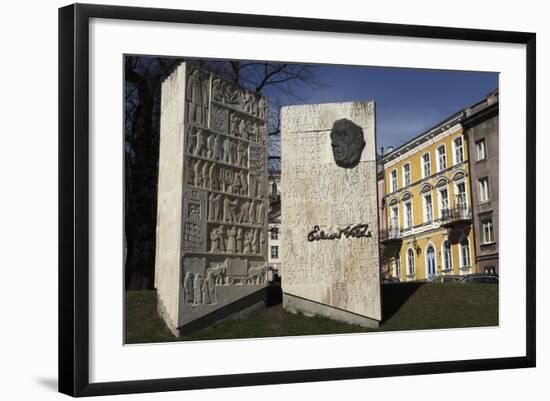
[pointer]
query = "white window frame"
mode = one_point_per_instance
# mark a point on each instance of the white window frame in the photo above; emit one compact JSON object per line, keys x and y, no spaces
{"x":456,"y":184}
{"x":429,"y":244}
{"x":425,"y":207}
{"x":409,"y":271}
{"x":461,"y":253}
{"x":274,"y":248}
{"x":396,"y":264}
{"x":489,"y":222}
{"x":274,"y":235}
{"x":407,"y":174}
{"x":440,"y":199}
{"x":394,"y":217}
{"x":424,"y":163}
{"x":406,"y":224}
{"x":393,"y":182}
{"x":455,"y":161}
{"x":483,"y":187}
{"x":444,"y":255}
{"x":483,"y":147}
{"x":441,"y":156}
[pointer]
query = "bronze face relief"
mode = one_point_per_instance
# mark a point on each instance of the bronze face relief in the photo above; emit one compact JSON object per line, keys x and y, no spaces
{"x":347,"y":143}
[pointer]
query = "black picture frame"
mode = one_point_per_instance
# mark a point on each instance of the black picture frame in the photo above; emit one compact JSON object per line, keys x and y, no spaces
{"x":74,"y":194}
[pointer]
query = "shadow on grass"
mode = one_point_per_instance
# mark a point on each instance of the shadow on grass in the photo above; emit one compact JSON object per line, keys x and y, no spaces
{"x":394,"y":296}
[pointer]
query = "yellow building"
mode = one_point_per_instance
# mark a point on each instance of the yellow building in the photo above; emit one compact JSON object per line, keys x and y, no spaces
{"x":427,"y":206}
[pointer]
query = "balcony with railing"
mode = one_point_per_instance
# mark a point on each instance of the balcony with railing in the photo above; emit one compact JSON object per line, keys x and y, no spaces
{"x":459,"y":215}
{"x":390,"y":235}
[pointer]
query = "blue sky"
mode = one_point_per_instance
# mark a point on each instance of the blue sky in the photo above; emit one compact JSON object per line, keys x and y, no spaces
{"x":408,"y":101}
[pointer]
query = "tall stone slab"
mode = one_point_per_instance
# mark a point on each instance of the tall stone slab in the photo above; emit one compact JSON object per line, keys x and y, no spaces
{"x":211,"y":245}
{"x":329,"y":216}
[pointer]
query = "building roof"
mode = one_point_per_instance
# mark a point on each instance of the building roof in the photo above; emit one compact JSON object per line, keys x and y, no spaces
{"x":441,"y":126}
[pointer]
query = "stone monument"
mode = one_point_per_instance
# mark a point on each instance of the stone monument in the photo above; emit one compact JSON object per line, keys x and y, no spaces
{"x":211,"y":250}
{"x":329,"y":216}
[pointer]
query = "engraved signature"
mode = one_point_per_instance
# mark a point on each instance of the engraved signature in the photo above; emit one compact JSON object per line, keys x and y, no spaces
{"x":355,"y":231}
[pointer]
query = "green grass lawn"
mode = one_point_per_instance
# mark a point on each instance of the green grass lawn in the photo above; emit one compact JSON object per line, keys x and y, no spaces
{"x":408,"y":306}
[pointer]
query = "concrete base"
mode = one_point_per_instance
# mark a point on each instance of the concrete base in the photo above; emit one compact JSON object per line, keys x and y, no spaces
{"x":295,"y":304}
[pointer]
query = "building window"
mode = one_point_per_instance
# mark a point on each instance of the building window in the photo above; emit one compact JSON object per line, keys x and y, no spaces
{"x":443,"y":203}
{"x":460,"y":197}
{"x":483,"y":189}
{"x":394,"y":217}
{"x":408,"y":214}
{"x":393,"y":181}
{"x":447,"y":256}
{"x":465,"y":253}
{"x":274,"y":188}
{"x":407,"y":174}
{"x":481,"y":152}
{"x":428,"y":208}
{"x":275,"y":252}
{"x":490,"y":270}
{"x":396,"y":267}
{"x":410,"y":262}
{"x":274,"y":233}
{"x":487,"y":235}
{"x":441,"y":158}
{"x":426,"y":171}
{"x":459,"y":150}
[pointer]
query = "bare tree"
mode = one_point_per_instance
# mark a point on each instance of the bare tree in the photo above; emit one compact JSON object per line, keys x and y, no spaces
{"x":143,"y":79}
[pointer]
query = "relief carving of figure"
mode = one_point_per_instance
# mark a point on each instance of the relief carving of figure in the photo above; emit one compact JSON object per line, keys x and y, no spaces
{"x":244,"y":184}
{"x":205,"y":175}
{"x":197,"y":289}
{"x":242,"y":130}
{"x":218,"y":148}
{"x":191,"y":140}
{"x":212,"y":177}
{"x":200,"y":149}
{"x":230,"y":209}
{"x":255,"y":241}
{"x":208,"y":289}
{"x":210,"y":144}
{"x":214,"y":207}
{"x":243,"y":218}
{"x":248,"y":101}
{"x":262,"y":105}
{"x":226,"y":150}
{"x":254,"y":131}
{"x":239,"y":241}
{"x":190,"y":169}
{"x":252,"y":213}
{"x":236,"y":185}
{"x":188,"y":287}
{"x":260,"y":213}
{"x":218,"y":273}
{"x":347,"y":143}
{"x":197,"y":97}
{"x":232,"y":152}
{"x":214,"y":241}
{"x":247,"y":243}
{"x":221,"y":235}
{"x":232,"y":239}
{"x":257,"y":274}
{"x":234,"y":125}
{"x":218,"y":89}
{"x":241,"y":150}
{"x":262,"y":241}
{"x":232,"y":94}
{"x":244,"y":157}
{"x":197,"y":173}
